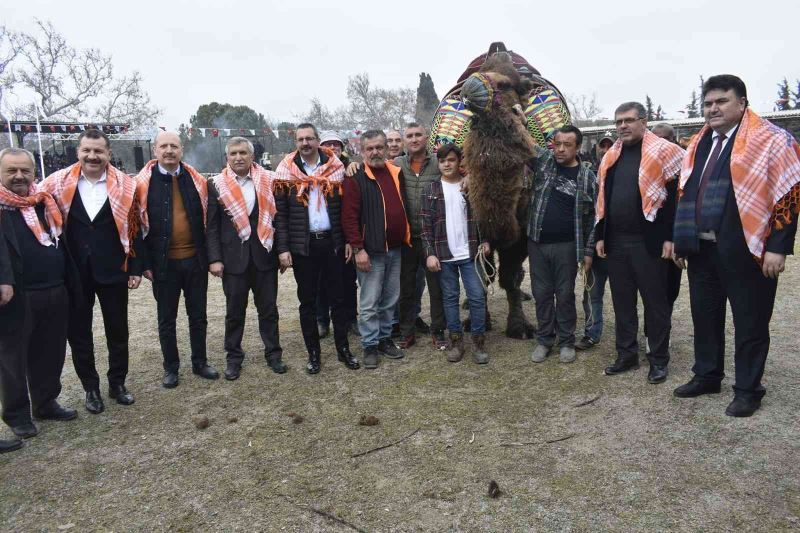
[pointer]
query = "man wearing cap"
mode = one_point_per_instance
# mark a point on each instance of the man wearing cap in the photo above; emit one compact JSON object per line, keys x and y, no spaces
{"x":333,"y":141}
{"x":309,"y":238}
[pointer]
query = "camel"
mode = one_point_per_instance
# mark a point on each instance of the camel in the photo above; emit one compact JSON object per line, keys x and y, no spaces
{"x":498,"y":111}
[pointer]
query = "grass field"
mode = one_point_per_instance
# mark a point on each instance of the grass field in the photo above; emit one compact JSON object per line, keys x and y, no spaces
{"x":634,"y":459}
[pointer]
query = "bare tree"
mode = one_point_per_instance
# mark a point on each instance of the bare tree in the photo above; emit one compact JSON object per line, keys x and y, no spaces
{"x":379,"y":108}
{"x":79,"y":84}
{"x":584,"y":109}
{"x":125,"y":101}
{"x":11,"y":45}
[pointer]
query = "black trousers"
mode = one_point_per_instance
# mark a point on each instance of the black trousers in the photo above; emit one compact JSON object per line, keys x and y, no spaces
{"x":632,"y":270}
{"x":712,"y":281}
{"x":349,"y":295}
{"x":321,"y":267}
{"x":410,"y":260}
{"x":114,"y":306}
{"x":237,"y":287}
{"x":553,"y":270}
{"x":674,"y":275}
{"x":31,"y":359}
{"x":182,"y":275}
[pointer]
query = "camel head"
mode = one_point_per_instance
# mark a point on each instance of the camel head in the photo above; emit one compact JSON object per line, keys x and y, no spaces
{"x":497,"y":88}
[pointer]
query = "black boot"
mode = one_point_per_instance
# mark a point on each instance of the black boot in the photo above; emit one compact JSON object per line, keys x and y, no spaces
{"x":347,"y":357}
{"x":314,"y":364}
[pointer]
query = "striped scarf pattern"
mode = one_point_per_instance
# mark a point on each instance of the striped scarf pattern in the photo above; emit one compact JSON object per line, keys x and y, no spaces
{"x":230,"y":194}
{"x":143,"y":184}
{"x":26,"y":206}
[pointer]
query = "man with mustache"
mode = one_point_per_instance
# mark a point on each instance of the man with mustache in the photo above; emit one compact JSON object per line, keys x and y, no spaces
{"x":34,"y":299}
{"x":241,"y":208}
{"x":375,"y":227}
{"x":173,"y":204}
{"x":735,"y":225}
{"x":97,"y":204}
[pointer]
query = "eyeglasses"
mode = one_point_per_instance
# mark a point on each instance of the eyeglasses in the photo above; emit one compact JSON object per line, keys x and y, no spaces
{"x":627,"y":121}
{"x":306,"y":139}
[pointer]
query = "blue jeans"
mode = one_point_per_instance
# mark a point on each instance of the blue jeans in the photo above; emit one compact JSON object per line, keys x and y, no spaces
{"x":380,"y":289}
{"x":451,"y":290}
{"x":593,"y":302}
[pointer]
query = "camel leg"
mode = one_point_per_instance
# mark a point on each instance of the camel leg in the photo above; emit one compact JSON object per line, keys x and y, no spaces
{"x":510,"y":277}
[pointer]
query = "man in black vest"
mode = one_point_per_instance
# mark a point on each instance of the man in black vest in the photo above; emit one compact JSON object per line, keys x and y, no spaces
{"x":175,"y":251}
{"x":309,"y":239}
{"x":98,"y":202}
{"x":35,"y":272}
{"x":243,"y":265}
{"x":735,"y":225}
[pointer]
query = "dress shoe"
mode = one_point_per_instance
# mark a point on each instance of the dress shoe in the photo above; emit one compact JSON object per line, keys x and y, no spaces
{"x":388,"y":348}
{"x":205,"y":371}
{"x":170,"y":380}
{"x":620,"y":366}
{"x":94,"y":402}
{"x":10,"y":445}
{"x":232,"y":371}
{"x":314,"y":364}
{"x":121,"y":394}
{"x":742,"y":407}
{"x":25,"y":430}
{"x":346,"y":356}
{"x":421,"y":326}
{"x":657,"y":374}
{"x":54,"y":411}
{"x":323,"y":330}
{"x":276,"y":364}
{"x":371,"y":357}
{"x":696,"y":388}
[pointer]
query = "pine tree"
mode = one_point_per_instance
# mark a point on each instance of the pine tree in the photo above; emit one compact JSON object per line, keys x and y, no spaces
{"x":692,"y":110}
{"x":796,"y":95}
{"x":784,"y":97}
{"x":660,"y":113}
{"x":427,"y":101}
{"x":648,"y":105}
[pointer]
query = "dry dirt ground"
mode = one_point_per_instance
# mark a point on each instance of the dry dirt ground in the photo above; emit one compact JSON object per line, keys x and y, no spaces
{"x":635,"y":459}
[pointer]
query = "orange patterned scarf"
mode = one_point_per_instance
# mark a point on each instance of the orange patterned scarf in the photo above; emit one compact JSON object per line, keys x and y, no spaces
{"x":26,"y":207}
{"x":329,"y":175}
{"x":661,"y":161}
{"x":143,"y":184}
{"x":230,"y":194}
{"x":63,"y":183}
{"x":765,"y":172}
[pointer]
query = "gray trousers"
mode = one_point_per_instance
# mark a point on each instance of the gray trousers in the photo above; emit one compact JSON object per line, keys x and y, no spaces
{"x":553,"y":270}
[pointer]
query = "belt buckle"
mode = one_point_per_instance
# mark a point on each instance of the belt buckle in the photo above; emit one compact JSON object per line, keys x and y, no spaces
{"x":319,"y":235}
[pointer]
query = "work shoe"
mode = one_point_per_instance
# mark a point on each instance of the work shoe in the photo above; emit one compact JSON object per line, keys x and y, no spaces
{"x":439,"y":340}
{"x":585,"y":343}
{"x":388,"y":348}
{"x":540,"y":353}
{"x":371,"y":357}
{"x":481,"y":356}
{"x":455,"y":351}
{"x":566,"y":354}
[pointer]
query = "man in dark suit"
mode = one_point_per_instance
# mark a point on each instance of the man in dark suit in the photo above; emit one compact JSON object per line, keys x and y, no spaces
{"x":736,"y":222}
{"x":239,"y":237}
{"x":33,"y":320}
{"x":635,"y":212}
{"x":174,"y":249}
{"x":97,"y":203}
{"x":309,"y":238}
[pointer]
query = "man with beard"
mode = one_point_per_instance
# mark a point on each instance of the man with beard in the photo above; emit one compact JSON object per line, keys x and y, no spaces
{"x":309,"y":238}
{"x":173,"y":204}
{"x":375,"y":226}
{"x":635,"y":212}
{"x":97,"y":206}
{"x":736,"y":223}
{"x":34,"y":300}
{"x":239,"y":236}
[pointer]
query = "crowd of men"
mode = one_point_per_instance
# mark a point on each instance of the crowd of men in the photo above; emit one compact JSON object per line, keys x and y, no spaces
{"x":363,"y":240}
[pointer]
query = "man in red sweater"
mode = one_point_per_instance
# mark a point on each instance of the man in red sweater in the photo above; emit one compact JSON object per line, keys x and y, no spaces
{"x":375,"y":227}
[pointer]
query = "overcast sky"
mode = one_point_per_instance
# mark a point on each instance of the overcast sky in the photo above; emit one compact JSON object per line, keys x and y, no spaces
{"x":276,"y":56}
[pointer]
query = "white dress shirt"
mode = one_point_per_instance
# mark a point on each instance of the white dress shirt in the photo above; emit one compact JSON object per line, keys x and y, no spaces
{"x":166,"y":172}
{"x":93,"y":195}
{"x":248,"y":191}
{"x":715,"y":140}
{"x":318,"y":219}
